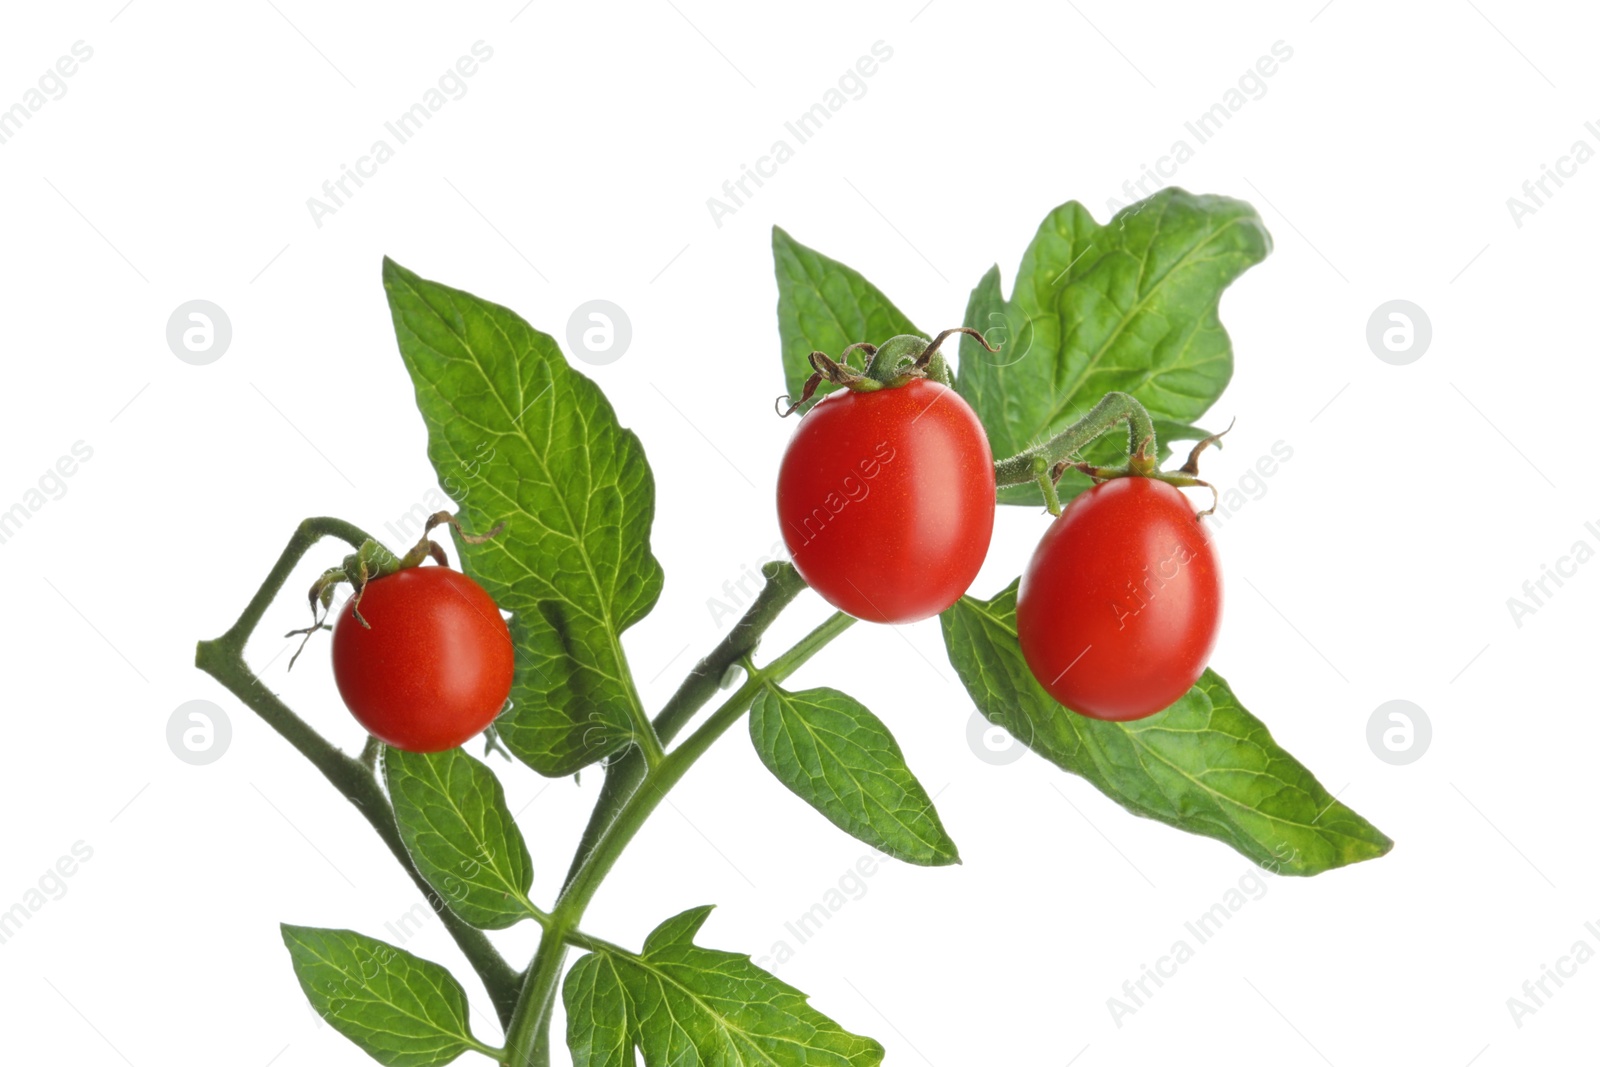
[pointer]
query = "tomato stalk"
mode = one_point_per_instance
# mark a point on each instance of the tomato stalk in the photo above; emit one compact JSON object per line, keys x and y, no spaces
{"x":1044,"y":463}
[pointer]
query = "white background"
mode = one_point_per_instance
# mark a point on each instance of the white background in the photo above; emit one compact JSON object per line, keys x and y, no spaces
{"x":1376,"y":565}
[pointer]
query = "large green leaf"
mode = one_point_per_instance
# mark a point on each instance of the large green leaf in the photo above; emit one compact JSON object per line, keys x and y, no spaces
{"x":842,"y":760}
{"x":516,"y":435}
{"x":453,"y":818}
{"x":1205,"y":765}
{"x":687,"y":1006}
{"x":401,"y":1010}
{"x":825,"y":306}
{"x":1130,"y":306}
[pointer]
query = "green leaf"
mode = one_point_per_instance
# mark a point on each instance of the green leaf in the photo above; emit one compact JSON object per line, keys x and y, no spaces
{"x":687,"y":1006}
{"x":1204,"y":765}
{"x":454,"y":821}
{"x":825,"y":306}
{"x":517,"y":435}
{"x":599,"y":1028}
{"x":842,"y":760}
{"x":400,"y":1010}
{"x":1130,"y":306}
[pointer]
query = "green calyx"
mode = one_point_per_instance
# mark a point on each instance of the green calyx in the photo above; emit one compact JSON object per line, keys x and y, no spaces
{"x":371,"y":561}
{"x":897,"y":361}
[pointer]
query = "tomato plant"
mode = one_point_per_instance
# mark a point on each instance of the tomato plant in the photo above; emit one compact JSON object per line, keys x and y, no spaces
{"x":1117,"y":610}
{"x":1070,"y":379}
{"x":886,"y":500}
{"x":430,"y":667}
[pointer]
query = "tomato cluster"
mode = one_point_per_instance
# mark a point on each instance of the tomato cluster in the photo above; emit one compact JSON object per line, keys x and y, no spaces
{"x":886,"y":502}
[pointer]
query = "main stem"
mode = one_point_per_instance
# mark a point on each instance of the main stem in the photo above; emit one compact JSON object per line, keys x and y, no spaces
{"x":223,"y":659}
{"x":625,"y":772}
{"x":527,"y":1041}
{"x":1113,"y":408}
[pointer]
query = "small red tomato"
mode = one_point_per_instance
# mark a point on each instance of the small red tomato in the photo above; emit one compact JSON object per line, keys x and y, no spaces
{"x":886,"y":500}
{"x":1118,"y":609}
{"x":434,"y":669}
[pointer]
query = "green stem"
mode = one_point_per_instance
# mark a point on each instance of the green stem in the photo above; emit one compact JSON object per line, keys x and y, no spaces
{"x":573,"y":936}
{"x":523,"y":1039}
{"x":1112,"y":410}
{"x":623,"y":775}
{"x":223,"y":659}
{"x":1047,"y":484}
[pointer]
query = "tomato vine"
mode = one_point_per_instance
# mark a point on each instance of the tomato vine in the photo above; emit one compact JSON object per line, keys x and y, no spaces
{"x":1080,"y":334}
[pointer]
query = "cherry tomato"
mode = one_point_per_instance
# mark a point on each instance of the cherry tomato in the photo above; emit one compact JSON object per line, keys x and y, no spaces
{"x":1118,"y":609}
{"x":435,"y":667}
{"x":886,"y":500}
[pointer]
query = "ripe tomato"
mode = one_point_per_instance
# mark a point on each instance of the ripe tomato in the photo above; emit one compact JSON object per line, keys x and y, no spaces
{"x":886,"y":500}
{"x":1118,"y":609}
{"x":434,"y":669}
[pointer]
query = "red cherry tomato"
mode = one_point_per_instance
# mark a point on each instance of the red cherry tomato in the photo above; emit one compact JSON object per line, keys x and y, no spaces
{"x":886,"y":500}
{"x":1118,"y":609}
{"x":434,"y":669}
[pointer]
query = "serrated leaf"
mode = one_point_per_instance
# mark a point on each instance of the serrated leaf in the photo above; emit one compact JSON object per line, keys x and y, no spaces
{"x":683,"y":1005}
{"x":837,"y":756}
{"x":1130,"y":306}
{"x":825,"y":306}
{"x":516,"y":435}
{"x":1204,"y":765}
{"x":453,"y":819}
{"x":401,"y":1010}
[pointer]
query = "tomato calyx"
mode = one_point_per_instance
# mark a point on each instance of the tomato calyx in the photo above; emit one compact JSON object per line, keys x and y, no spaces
{"x":372,"y":561}
{"x":1142,"y":464}
{"x":898,"y":360}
